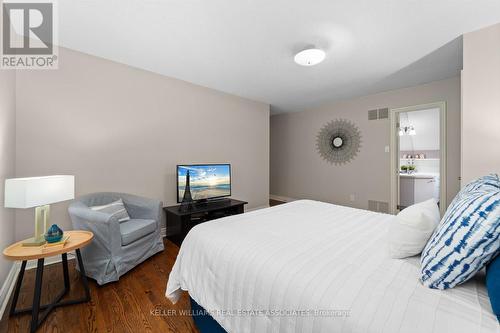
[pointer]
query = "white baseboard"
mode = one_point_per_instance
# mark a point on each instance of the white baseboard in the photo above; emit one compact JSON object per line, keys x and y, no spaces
{"x":8,"y":286}
{"x":281,"y":198}
{"x":10,"y":281}
{"x":256,"y":208}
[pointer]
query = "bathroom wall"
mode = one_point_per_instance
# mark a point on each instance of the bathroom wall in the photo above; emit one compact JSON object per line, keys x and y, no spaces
{"x":426,"y":124}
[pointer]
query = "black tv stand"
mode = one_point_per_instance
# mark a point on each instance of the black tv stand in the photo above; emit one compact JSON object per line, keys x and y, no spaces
{"x":185,"y":217}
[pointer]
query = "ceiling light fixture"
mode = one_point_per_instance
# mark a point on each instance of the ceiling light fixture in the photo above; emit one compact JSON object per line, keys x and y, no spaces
{"x":310,"y":57}
{"x":407,"y":130}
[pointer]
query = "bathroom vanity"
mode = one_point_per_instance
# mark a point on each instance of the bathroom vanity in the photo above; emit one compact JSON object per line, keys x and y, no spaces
{"x":417,"y":187}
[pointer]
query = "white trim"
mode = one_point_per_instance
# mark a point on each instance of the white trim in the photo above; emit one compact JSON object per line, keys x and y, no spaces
{"x":256,"y":208}
{"x":281,"y":198}
{"x":163,"y":232}
{"x":461,"y":128}
{"x":8,"y":287}
{"x":10,"y":281}
{"x":394,"y":153}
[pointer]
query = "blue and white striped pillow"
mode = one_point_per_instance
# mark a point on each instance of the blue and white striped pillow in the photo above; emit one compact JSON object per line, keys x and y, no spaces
{"x":490,"y":182}
{"x":466,"y":239}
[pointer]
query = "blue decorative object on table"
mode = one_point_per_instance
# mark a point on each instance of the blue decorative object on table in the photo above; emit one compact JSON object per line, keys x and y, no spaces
{"x":54,"y":234}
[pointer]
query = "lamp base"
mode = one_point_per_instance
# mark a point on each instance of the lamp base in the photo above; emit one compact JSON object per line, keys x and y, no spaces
{"x":42,"y":215}
{"x":33,"y":242}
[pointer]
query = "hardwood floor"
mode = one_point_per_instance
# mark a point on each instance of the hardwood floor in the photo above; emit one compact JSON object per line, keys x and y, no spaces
{"x":136,"y":303}
{"x":275,"y":202}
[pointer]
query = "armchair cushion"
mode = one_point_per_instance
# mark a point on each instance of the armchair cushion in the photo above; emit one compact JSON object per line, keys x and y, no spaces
{"x":135,"y":229}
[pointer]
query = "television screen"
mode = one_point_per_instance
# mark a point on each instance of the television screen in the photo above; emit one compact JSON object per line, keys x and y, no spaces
{"x":206,"y":181}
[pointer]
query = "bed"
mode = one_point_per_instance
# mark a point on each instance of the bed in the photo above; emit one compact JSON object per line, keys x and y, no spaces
{"x":309,"y":266}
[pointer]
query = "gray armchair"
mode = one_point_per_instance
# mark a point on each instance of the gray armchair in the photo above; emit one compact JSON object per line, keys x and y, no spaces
{"x":117,"y":246}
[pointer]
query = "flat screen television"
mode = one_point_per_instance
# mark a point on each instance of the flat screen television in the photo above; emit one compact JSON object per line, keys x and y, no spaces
{"x":206,"y":181}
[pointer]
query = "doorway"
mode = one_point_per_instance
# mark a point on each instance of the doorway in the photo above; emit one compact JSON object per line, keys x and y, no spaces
{"x":418,"y":155}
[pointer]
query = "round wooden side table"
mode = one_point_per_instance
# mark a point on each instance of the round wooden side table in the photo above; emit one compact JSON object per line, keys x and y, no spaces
{"x":77,"y":239}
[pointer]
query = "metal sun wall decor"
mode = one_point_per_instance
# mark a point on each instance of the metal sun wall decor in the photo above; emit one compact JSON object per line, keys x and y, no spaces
{"x":339,"y":141}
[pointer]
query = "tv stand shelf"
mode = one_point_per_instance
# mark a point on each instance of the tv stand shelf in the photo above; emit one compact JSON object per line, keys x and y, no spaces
{"x":198,"y":213}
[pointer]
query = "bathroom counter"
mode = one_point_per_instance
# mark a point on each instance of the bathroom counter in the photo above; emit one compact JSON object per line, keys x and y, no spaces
{"x":419,"y":175}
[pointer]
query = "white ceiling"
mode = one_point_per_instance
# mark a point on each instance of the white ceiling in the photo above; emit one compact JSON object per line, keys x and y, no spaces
{"x":246,"y":47}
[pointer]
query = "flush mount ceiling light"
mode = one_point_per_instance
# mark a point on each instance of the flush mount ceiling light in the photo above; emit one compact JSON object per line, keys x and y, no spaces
{"x":310,"y":57}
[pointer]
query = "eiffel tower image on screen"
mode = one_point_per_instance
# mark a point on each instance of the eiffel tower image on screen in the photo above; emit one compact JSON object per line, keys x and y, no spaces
{"x":187,"y":190}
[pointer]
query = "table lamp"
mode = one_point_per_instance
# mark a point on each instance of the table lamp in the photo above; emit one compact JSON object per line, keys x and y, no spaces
{"x":38,"y":192}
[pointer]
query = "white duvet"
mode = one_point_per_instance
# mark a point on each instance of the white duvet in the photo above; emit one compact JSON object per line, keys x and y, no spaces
{"x":309,"y":266}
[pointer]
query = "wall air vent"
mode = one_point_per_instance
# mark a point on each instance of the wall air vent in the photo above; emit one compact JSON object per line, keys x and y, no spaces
{"x":375,"y":114}
{"x":383,"y":207}
{"x":378,"y":206}
{"x":372,"y":115}
{"x":383,"y":113}
{"x":373,"y":205}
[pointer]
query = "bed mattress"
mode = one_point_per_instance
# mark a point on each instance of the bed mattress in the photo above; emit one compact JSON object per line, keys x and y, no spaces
{"x":309,"y":266}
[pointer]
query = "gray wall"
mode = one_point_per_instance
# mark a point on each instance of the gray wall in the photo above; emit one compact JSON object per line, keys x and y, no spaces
{"x":297,"y":170}
{"x":117,"y":128}
{"x":481,"y":103}
{"x":7,"y":160}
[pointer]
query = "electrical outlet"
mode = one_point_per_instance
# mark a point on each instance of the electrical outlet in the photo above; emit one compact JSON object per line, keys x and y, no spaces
{"x":386,"y":149}
{"x":352,"y":197}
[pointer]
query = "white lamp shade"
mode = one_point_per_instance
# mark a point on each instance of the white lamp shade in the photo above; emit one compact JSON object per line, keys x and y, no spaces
{"x":38,"y":191}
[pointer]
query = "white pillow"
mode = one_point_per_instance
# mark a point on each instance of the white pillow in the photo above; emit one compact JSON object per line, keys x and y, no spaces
{"x":410,"y":230}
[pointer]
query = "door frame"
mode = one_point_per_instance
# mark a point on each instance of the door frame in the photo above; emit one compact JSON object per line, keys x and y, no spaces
{"x":394,"y":165}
